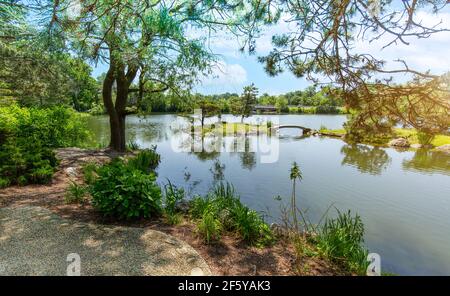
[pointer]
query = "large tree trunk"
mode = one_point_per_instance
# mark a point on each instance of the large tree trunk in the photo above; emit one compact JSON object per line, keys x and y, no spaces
{"x":116,"y":111}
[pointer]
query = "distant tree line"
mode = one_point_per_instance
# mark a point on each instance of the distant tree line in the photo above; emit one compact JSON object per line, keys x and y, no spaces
{"x":234,"y":103}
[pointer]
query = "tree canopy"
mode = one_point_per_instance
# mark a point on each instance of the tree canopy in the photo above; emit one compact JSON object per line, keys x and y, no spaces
{"x":322,"y":47}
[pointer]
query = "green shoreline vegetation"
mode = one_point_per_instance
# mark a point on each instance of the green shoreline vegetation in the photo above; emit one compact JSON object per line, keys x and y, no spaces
{"x":338,"y":240}
{"x":126,"y":189}
{"x":412,"y":135}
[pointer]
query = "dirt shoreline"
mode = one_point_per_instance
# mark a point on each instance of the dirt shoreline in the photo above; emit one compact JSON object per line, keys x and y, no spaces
{"x":230,"y":256}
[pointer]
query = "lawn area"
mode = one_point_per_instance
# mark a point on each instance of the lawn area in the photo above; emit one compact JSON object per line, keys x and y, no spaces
{"x":237,"y":127}
{"x":337,"y":132}
{"x":411,"y":135}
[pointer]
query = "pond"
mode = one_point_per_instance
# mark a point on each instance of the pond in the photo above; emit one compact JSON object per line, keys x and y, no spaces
{"x":403,"y":197}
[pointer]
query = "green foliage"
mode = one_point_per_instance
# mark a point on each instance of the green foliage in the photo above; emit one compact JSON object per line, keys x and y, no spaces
{"x":341,"y":240}
{"x":425,"y":138}
{"x":51,"y":127}
{"x":123,"y":191}
{"x":27,"y":137}
{"x":208,"y":108}
{"x":250,"y":225}
{"x":243,"y":106}
{"x":132,"y":146}
{"x":97,"y":109}
{"x":89,"y":172}
{"x":282,"y":105}
{"x":325,"y":109}
{"x":145,"y":161}
{"x":209,"y":227}
{"x":223,"y":207}
{"x":75,"y":193}
{"x":26,"y":164}
{"x":361,"y":130}
{"x":172,"y":196}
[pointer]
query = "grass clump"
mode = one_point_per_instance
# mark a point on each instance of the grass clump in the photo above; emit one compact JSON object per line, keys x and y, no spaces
{"x":146,"y":160}
{"x":75,"y":193}
{"x":222,"y":209}
{"x":341,"y":240}
{"x":172,"y":196}
{"x":209,"y":227}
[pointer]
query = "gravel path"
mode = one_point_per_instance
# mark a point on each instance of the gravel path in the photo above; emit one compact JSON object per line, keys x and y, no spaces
{"x":34,"y":241}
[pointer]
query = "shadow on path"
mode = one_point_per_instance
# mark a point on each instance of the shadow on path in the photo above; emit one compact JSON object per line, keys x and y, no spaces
{"x":33,"y":241}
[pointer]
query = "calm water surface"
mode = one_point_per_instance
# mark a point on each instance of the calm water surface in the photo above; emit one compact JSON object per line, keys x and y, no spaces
{"x":402,"y":197}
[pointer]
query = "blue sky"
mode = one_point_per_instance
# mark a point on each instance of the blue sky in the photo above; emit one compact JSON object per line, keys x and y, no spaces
{"x":235,"y":69}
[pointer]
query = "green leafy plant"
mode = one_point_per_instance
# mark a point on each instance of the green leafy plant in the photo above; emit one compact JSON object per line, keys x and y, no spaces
{"x":27,"y":137}
{"x":341,"y":240}
{"x":89,"y":172}
{"x":209,"y":227}
{"x":132,"y":146}
{"x":172,"y":196}
{"x":146,"y":160}
{"x":26,"y":164}
{"x":75,"y":193}
{"x":123,"y":191}
{"x":224,"y":205}
{"x":250,"y":225}
{"x":425,"y":138}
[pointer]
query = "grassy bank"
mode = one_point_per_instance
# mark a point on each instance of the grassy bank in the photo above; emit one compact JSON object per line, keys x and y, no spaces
{"x":410,"y":134}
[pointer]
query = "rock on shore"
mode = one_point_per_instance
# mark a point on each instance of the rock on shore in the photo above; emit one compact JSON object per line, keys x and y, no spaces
{"x":399,"y":142}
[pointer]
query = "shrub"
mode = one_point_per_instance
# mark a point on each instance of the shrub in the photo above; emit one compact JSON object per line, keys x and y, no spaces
{"x":125,"y":192}
{"x":250,"y":225}
{"x":90,"y":172}
{"x":27,"y":137}
{"x":26,"y":164}
{"x":198,"y":206}
{"x":209,"y":227}
{"x":97,"y":109}
{"x":75,"y":193}
{"x":145,"y":161}
{"x":341,"y":240}
{"x":4,"y":183}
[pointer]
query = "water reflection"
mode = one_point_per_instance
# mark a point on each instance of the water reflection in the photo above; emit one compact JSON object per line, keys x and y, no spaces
{"x":217,"y":171}
{"x":248,"y":158}
{"x":429,"y":161}
{"x":367,"y":159}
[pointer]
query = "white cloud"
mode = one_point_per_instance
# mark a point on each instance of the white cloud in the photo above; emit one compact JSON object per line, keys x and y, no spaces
{"x":225,"y":74}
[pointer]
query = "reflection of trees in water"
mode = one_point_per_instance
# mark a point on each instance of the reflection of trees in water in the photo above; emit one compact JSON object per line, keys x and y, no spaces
{"x":152,"y":131}
{"x":425,"y":160}
{"x":372,"y":160}
{"x":217,"y":171}
{"x":248,"y":159}
{"x":208,"y":151}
